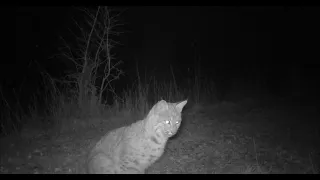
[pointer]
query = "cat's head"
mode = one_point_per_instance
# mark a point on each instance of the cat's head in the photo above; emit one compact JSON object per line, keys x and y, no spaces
{"x":165,"y":117}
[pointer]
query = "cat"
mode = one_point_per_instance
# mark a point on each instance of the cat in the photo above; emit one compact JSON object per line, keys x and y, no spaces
{"x":132,"y":149}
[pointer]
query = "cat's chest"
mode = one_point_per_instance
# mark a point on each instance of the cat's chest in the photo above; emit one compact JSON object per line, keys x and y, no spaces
{"x":149,"y":154}
{"x":144,"y":147}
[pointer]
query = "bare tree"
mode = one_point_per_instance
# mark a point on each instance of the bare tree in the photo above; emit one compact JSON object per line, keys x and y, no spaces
{"x":96,"y":67}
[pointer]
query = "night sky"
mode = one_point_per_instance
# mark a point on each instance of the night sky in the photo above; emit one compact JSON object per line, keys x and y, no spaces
{"x":253,"y":44}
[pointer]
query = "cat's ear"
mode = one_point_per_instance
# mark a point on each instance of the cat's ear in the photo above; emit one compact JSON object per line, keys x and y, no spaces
{"x":159,"y":106}
{"x":180,"y":105}
{"x":161,"y":103}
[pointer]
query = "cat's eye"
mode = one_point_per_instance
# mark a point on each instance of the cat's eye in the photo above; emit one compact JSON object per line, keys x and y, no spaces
{"x":167,"y":122}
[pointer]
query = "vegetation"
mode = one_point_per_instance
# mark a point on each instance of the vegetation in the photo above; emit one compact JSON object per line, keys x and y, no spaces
{"x":216,"y":137}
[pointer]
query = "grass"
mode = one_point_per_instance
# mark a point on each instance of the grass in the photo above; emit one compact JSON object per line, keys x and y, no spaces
{"x":243,"y":137}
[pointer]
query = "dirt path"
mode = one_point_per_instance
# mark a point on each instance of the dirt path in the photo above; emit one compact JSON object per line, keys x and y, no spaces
{"x":226,"y":138}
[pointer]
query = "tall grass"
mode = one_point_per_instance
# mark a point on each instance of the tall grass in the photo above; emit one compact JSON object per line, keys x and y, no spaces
{"x":10,"y":118}
{"x":58,"y":106}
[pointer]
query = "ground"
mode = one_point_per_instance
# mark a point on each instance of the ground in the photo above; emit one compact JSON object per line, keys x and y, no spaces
{"x":226,"y":137}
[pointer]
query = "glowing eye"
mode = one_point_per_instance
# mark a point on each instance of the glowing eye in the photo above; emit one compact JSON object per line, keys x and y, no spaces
{"x":167,"y":122}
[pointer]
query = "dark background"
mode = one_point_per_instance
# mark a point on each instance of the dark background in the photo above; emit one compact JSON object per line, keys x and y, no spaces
{"x":274,"y":47}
